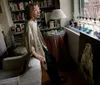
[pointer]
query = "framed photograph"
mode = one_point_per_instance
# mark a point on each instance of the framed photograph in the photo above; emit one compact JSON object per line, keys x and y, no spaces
{"x":18,"y":28}
{"x":51,"y":23}
{"x":22,"y":27}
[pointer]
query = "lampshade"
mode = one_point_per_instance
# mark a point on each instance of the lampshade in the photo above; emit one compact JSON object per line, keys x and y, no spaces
{"x":57,"y":14}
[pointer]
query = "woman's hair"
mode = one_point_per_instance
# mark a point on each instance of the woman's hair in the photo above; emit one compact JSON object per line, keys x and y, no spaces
{"x":29,"y":10}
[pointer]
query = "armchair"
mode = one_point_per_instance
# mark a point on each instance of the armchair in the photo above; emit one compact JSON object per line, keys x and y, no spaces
{"x":31,"y":76}
{"x":13,"y":66}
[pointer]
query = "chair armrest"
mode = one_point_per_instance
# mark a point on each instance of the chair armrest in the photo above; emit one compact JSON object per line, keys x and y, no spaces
{"x":13,"y":63}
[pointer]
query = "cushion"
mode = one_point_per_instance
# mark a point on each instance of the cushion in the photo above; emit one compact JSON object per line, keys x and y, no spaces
{"x":20,"y":50}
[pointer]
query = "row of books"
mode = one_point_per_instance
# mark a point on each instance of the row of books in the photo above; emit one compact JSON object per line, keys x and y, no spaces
{"x":18,"y":17}
{"x":22,"y":5}
{"x":17,"y":6}
{"x":45,"y":3}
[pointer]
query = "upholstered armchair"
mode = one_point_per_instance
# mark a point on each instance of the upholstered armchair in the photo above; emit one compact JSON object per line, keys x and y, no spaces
{"x":14,"y":65}
{"x":13,"y":68}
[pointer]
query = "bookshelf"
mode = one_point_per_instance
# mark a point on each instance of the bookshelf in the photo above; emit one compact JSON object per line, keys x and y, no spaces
{"x":17,"y":9}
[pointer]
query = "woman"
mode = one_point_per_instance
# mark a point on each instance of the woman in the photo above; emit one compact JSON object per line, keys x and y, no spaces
{"x":36,"y":46}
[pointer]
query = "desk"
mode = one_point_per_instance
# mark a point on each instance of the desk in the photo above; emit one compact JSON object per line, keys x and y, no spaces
{"x":58,"y":47}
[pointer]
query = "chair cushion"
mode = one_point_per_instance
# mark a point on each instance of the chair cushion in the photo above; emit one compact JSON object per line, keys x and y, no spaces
{"x":20,"y":50}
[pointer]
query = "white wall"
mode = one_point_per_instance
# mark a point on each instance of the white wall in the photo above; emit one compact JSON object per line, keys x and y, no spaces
{"x":5,"y":19}
{"x":76,"y":8}
{"x":66,"y":6}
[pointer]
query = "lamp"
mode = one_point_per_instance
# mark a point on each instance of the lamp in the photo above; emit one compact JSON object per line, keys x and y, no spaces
{"x":57,"y":15}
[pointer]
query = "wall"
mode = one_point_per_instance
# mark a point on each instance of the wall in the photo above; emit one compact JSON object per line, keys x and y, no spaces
{"x":70,"y":8}
{"x":5,"y":19}
{"x":66,"y":6}
{"x":76,"y":8}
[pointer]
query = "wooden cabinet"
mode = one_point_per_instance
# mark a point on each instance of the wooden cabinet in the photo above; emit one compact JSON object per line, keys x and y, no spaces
{"x":89,"y":58}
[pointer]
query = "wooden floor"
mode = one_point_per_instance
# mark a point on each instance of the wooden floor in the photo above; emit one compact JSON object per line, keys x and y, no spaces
{"x":74,"y":78}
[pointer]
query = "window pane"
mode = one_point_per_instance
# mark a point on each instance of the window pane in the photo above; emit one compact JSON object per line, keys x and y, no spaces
{"x":91,"y":8}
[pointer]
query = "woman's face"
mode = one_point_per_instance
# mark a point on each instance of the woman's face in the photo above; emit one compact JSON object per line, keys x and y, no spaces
{"x":36,"y":12}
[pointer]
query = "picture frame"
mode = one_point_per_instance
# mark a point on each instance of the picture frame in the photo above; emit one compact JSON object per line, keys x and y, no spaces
{"x":51,"y":23}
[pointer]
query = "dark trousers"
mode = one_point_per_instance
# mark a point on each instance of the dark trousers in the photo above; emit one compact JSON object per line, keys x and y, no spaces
{"x":52,"y":67}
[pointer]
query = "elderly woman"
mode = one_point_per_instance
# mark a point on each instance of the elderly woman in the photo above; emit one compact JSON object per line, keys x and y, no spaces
{"x":36,"y":46}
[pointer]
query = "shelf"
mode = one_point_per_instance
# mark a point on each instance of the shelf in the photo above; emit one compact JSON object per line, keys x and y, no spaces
{"x":90,"y":35}
{"x":15,"y":1}
{"x":47,"y":9}
{"x":17,"y":21}
{"x":17,"y":33}
{"x":18,"y":11}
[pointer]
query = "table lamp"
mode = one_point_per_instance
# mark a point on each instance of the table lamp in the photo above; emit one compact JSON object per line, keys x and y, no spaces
{"x":57,"y":15}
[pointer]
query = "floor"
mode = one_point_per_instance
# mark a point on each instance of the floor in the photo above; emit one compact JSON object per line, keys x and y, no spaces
{"x":73,"y":76}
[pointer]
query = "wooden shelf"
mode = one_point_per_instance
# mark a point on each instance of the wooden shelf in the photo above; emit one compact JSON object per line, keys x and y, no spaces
{"x":47,"y":9}
{"x":15,"y":1}
{"x":18,"y":11}
{"x":19,"y":21}
{"x":17,"y":33}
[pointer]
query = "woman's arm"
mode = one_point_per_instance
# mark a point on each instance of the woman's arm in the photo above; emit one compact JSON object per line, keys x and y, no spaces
{"x":27,"y":40}
{"x":29,"y":47}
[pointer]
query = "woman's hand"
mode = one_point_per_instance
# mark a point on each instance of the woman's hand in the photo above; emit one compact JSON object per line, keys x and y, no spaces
{"x":41,"y":58}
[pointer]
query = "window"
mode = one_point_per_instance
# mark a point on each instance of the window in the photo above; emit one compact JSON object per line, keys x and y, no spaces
{"x":90,"y":8}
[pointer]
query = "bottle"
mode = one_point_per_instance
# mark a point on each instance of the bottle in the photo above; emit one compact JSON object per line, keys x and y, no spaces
{"x":99,"y":25}
{"x":84,"y":26}
{"x":86,"y":23}
{"x":83,"y":23}
{"x":79,"y":23}
{"x":95,"y":27}
{"x":91,"y":26}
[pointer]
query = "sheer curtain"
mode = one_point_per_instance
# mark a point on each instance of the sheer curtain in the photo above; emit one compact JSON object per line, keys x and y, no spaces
{"x":91,"y":8}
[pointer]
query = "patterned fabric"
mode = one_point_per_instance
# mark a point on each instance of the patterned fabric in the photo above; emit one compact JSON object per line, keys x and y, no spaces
{"x":86,"y":62}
